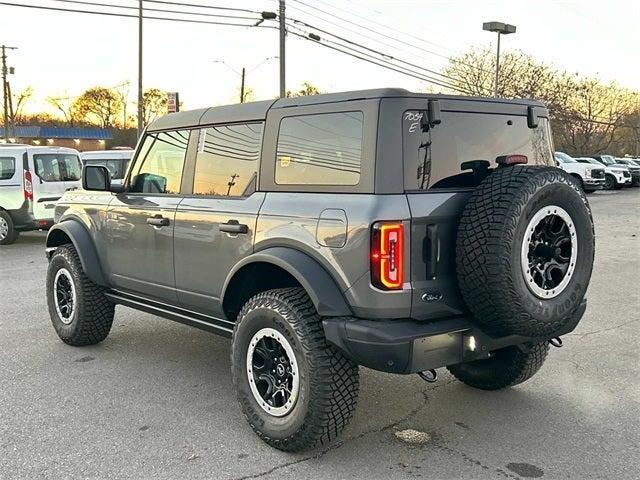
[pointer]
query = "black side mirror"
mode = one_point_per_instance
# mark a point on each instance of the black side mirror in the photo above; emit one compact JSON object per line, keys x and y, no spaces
{"x":96,"y":178}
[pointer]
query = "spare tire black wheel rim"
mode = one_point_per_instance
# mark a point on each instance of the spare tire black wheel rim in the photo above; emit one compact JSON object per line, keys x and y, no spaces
{"x":549,"y":251}
{"x":64,"y":295}
{"x":273,"y":372}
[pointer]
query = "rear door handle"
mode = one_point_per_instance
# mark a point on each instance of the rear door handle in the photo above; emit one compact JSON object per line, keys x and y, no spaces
{"x":233,"y":226}
{"x":158,"y":221}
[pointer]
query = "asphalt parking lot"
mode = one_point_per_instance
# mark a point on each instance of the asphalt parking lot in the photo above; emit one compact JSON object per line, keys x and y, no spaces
{"x":155,"y":400}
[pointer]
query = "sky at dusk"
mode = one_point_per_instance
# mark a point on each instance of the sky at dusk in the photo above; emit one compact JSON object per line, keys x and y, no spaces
{"x":62,"y":54}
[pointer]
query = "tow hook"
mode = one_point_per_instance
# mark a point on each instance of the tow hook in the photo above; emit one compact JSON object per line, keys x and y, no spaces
{"x":556,"y":342}
{"x":429,"y":376}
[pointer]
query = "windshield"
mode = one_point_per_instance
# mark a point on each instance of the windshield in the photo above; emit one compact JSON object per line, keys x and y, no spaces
{"x":564,"y":158}
{"x":607,"y":160}
{"x":590,"y":160}
{"x":57,"y":167}
{"x":115,"y":166}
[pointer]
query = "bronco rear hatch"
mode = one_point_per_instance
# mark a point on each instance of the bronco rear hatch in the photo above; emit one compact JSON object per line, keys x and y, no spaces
{"x":443,"y":163}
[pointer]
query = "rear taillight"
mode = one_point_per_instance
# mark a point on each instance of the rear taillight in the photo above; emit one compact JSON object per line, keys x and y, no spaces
{"x":387,"y":255}
{"x":28,"y":186}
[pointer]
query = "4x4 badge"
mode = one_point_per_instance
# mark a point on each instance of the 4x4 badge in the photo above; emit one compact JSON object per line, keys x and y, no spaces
{"x":432,"y":296}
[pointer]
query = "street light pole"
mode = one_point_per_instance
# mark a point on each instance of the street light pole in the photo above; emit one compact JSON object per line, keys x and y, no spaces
{"x":281,"y":18}
{"x":140,"y":94}
{"x":242,"y":87}
{"x":501,"y":29}
{"x":495,"y":91}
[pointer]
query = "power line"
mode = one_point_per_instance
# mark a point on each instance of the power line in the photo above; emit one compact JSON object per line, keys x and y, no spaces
{"x":383,"y":25}
{"x":361,"y":56}
{"x":124,"y":15}
{"x":375,"y":60}
{"x":376,"y":32}
{"x":210,"y":7}
{"x":159,"y":10}
{"x":377,"y":52}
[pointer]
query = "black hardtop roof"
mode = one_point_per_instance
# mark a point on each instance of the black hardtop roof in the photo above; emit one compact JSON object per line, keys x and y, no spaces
{"x":243,"y":112}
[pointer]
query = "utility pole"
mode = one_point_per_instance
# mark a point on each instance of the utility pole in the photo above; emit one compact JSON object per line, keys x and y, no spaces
{"x":232,"y":183}
{"x":140,"y":94}
{"x":5,"y":91}
{"x":281,"y":17}
{"x":242,"y":87}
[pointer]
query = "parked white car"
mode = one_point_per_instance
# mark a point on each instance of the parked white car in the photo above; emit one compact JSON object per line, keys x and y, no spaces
{"x":633,"y":167}
{"x":591,"y":177}
{"x":32,"y":180}
{"x":616,"y":176}
{"x":116,"y":161}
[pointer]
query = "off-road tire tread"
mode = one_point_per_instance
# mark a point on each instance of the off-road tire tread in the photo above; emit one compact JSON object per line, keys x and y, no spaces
{"x":335,"y":384}
{"x":523,"y":363}
{"x":95,"y":316}
{"x":485,"y":235}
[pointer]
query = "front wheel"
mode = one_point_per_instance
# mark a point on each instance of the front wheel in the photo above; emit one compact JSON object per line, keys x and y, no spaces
{"x":609,"y":182}
{"x":505,"y":368}
{"x":80,"y":312}
{"x":8,"y":233}
{"x":296,"y":390}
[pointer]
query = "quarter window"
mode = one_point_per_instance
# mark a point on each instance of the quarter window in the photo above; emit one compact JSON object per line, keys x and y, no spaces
{"x":227,"y":159}
{"x":158,"y":168}
{"x":324,"y":149}
{"x":7,"y":167}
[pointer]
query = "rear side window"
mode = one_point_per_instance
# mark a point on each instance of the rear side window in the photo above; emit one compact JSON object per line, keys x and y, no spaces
{"x":57,"y":167}
{"x":227,"y":159}
{"x":158,"y":168}
{"x":323,"y":149}
{"x":7,"y":167}
{"x":461,"y":150}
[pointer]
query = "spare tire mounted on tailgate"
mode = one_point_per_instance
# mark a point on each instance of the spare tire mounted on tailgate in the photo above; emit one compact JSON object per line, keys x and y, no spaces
{"x":525,"y":250}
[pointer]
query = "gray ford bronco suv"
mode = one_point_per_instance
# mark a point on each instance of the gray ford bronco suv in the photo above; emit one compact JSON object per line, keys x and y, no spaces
{"x":399,"y":231}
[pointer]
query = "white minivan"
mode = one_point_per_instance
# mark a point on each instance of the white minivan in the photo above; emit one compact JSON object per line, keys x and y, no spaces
{"x":116,"y":161}
{"x":32,"y":179}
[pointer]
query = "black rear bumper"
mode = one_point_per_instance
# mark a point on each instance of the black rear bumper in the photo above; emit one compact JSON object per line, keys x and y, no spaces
{"x":409,"y":346}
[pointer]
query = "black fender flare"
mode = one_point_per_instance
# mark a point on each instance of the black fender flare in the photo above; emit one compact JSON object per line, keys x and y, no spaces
{"x":321,"y":288}
{"x":83,"y":244}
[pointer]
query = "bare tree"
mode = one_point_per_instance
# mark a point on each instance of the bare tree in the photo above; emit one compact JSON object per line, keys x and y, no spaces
{"x":66,"y":106}
{"x":587,"y":115}
{"x":19,"y":102}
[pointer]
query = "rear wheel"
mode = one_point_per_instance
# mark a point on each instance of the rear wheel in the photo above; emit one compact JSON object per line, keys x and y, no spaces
{"x":8,"y":233}
{"x":506,"y":367}
{"x":296,"y":390}
{"x":80,"y":312}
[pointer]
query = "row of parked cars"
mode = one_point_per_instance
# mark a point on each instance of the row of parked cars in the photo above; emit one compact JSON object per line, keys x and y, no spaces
{"x":32,"y":180}
{"x":598,"y":172}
